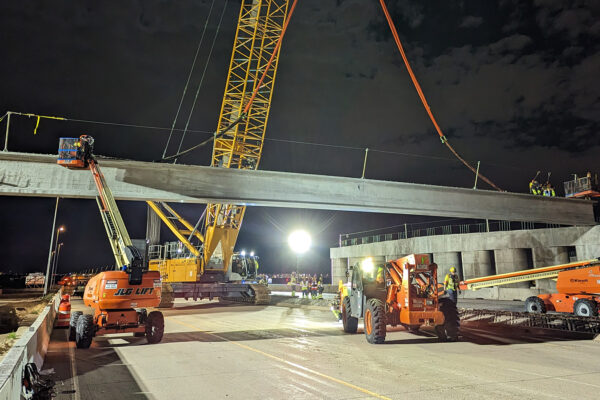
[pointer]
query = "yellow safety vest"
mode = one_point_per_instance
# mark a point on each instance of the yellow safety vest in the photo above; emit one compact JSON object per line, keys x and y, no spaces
{"x":450,"y":282}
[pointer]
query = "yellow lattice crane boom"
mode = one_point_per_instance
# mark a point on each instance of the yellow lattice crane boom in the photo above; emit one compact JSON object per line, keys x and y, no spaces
{"x":260,"y":26}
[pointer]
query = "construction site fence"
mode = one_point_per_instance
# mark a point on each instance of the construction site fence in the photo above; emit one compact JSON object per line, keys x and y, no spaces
{"x":408,"y":231}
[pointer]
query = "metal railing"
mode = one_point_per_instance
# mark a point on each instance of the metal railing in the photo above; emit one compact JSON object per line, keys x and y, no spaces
{"x":419,"y":230}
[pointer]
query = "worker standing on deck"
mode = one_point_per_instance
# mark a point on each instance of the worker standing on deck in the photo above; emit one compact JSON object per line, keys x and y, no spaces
{"x":451,"y":285}
{"x":304,"y":288}
{"x":320,"y":288}
{"x":535,"y":188}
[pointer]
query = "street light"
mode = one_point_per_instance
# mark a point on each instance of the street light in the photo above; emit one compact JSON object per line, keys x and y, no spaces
{"x":55,"y":266}
{"x":60,"y":229}
{"x":299,"y":241}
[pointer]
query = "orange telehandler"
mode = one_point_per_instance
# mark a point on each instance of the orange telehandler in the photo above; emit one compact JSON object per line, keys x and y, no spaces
{"x":119,"y":298}
{"x":400,"y":292}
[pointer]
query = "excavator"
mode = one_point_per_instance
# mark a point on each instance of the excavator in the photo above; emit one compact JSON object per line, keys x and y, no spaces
{"x":577,"y":284}
{"x":204,"y":269}
{"x":119,"y":298}
{"x":399,"y":292}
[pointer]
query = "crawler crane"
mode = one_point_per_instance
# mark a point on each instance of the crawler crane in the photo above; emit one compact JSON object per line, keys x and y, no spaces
{"x":204,"y":270}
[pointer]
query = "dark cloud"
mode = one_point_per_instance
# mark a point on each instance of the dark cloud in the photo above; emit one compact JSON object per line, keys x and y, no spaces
{"x":471,"y":21}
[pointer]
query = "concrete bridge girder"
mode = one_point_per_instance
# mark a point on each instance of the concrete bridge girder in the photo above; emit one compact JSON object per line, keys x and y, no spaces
{"x":24,"y":174}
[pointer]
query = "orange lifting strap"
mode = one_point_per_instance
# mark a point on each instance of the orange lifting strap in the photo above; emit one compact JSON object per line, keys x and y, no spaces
{"x":424,"y":101}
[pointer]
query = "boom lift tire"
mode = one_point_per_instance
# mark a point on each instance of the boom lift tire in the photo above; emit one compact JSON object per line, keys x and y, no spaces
{"x":375,"y":325}
{"x":350,"y":323}
{"x":142,"y":317}
{"x":448,"y":332}
{"x":535,"y":305}
{"x":585,"y":308}
{"x":73,"y":324}
{"x":155,"y":327}
{"x":85,"y":331}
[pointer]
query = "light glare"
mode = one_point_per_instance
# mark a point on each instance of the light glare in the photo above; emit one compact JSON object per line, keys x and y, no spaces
{"x":299,"y":241}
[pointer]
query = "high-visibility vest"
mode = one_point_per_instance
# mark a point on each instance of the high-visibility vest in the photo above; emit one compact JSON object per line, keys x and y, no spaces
{"x":552,"y":193}
{"x":451,"y":282}
{"x":379,"y":277}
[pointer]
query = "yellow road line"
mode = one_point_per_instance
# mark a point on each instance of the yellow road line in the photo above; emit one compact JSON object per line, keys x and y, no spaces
{"x":271,"y":356}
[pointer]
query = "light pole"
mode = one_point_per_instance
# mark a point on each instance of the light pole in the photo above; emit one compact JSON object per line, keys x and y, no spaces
{"x":46,"y":280}
{"x":55,"y":266}
{"x":299,"y":241}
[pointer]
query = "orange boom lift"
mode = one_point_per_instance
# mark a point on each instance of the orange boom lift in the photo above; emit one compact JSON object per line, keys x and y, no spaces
{"x":577,"y":284}
{"x":118,"y":297}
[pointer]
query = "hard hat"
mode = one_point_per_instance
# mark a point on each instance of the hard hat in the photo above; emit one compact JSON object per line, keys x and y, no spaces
{"x":452,"y":270}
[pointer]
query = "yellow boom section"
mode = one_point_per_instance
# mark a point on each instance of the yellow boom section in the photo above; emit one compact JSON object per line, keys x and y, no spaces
{"x":259,"y":27}
{"x":550,"y":272}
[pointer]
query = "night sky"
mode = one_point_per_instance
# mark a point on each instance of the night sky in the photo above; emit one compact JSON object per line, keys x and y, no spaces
{"x":513,"y":84}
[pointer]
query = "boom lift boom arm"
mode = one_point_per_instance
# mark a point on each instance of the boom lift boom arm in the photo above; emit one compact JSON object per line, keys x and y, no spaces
{"x":78,"y":154}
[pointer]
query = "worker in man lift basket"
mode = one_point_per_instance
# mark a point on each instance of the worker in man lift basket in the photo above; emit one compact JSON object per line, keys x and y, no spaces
{"x":451,"y":285}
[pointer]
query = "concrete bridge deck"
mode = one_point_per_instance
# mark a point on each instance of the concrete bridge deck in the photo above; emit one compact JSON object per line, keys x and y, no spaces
{"x":25,"y":174}
{"x":216,"y":351}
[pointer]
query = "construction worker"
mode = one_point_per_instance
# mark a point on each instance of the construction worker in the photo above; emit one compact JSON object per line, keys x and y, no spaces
{"x":292,"y":282}
{"x":379,"y":278}
{"x":313,"y":289}
{"x":451,"y":285}
{"x":304,"y":289}
{"x":535,"y":188}
{"x":320,"y":288}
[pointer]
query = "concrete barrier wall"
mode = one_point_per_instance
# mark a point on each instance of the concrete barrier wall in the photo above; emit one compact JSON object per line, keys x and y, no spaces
{"x":31,"y":347}
{"x":288,"y":288}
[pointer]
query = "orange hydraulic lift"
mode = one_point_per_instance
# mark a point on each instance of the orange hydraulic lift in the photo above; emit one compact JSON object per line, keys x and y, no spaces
{"x":577,"y":284}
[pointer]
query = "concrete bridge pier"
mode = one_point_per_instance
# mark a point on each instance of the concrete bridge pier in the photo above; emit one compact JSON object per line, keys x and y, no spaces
{"x":511,"y":260}
{"x":447,"y":260}
{"x":544,"y":256}
{"x":338,"y":270}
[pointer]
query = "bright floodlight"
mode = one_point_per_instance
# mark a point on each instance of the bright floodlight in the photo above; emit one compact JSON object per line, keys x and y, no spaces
{"x":243,"y":253}
{"x":251,"y":254}
{"x":299,"y":241}
{"x":367,"y":265}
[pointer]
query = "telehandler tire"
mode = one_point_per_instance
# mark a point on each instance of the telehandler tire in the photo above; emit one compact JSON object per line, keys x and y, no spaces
{"x":448,"y":332}
{"x":73,"y":324}
{"x":350,"y":323}
{"x":85,"y":331}
{"x":375,"y":325}
{"x":155,"y":327}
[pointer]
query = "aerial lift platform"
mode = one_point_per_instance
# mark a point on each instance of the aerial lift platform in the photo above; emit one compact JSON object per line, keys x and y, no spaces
{"x":119,"y":298}
{"x":577,"y":284}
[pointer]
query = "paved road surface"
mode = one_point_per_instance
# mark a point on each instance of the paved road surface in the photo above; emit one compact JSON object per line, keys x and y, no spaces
{"x":216,"y":351}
